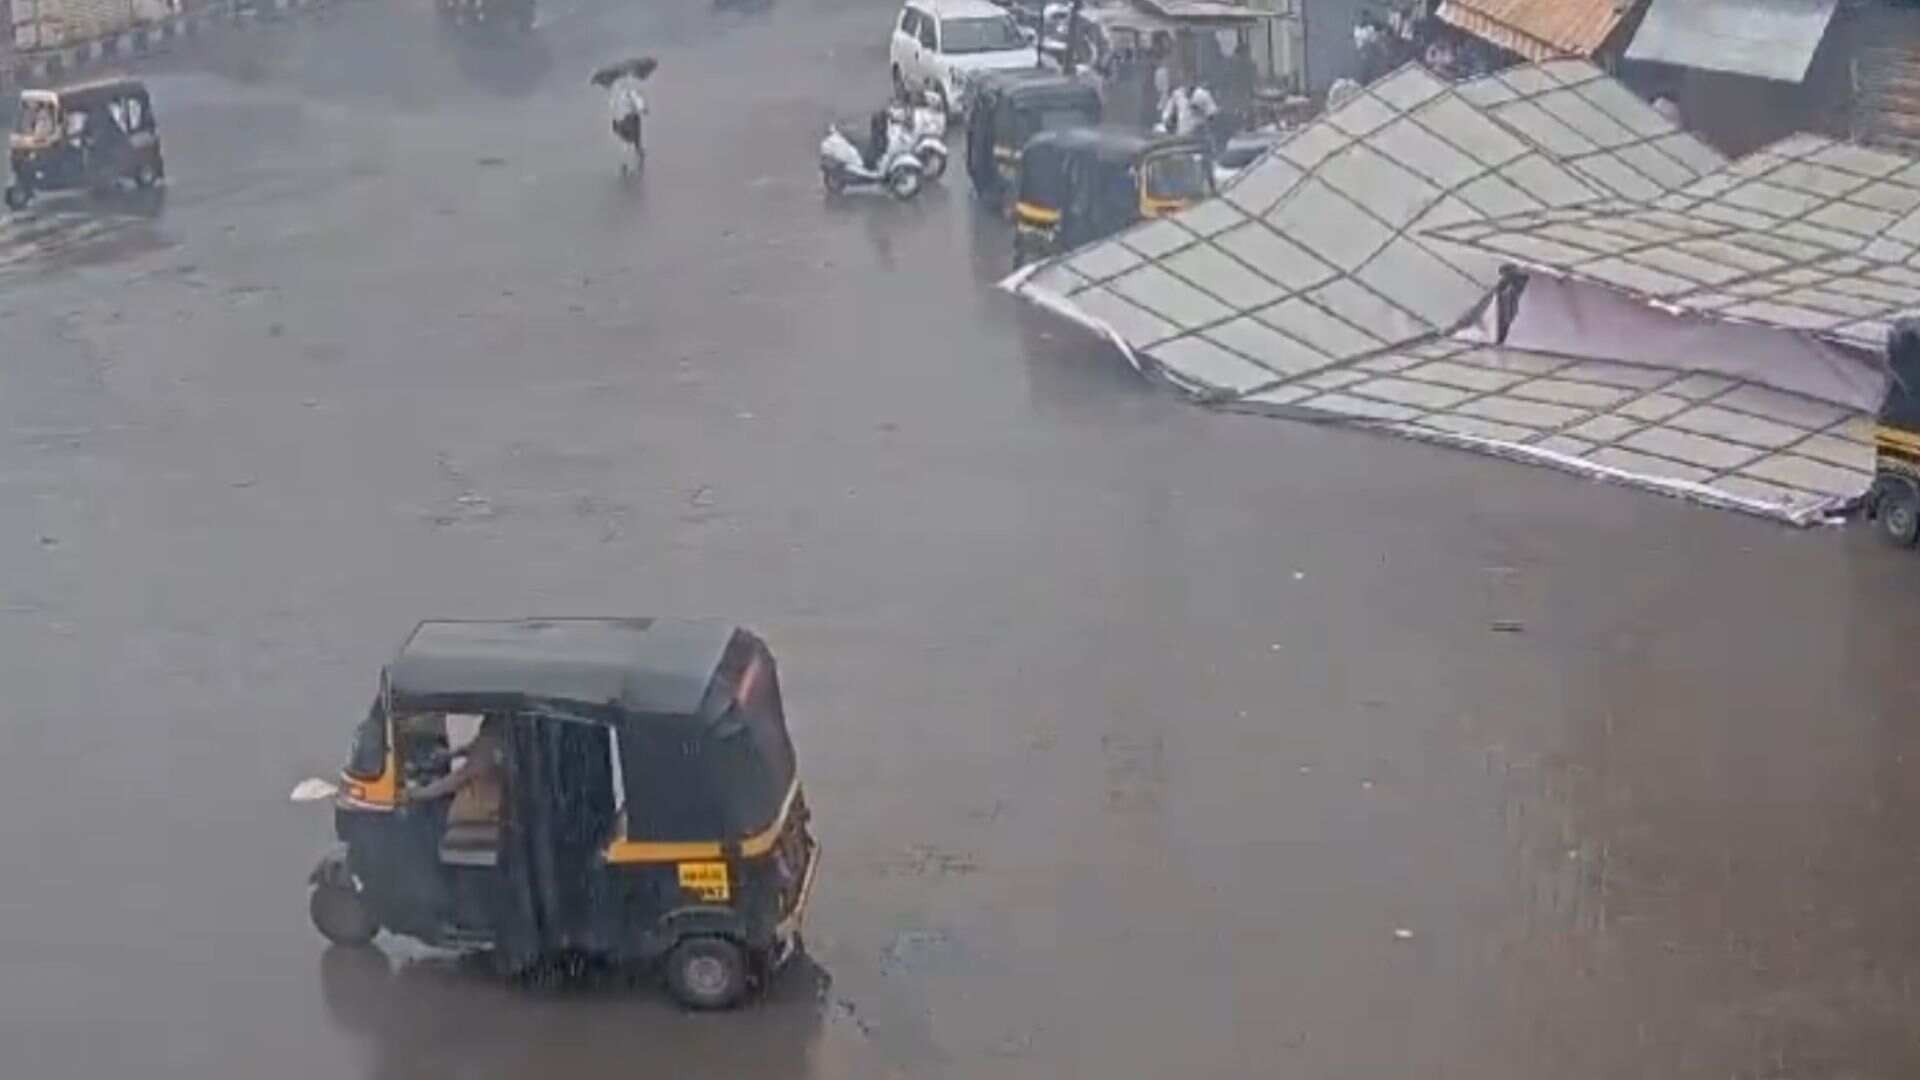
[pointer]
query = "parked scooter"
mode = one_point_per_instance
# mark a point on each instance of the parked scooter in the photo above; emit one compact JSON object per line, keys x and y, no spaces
{"x":899,"y":169}
{"x":926,"y":122}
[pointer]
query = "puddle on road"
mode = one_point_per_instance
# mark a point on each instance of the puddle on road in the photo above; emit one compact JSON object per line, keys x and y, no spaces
{"x":78,"y":230}
{"x":915,"y":951}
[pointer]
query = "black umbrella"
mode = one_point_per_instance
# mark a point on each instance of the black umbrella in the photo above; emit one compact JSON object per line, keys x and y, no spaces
{"x":639,"y":67}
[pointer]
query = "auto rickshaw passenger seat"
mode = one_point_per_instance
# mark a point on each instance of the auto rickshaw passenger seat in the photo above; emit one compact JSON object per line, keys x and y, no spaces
{"x":471,"y":844}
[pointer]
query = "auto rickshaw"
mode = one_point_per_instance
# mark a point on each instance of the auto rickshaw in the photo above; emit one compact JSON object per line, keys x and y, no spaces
{"x":647,"y":806}
{"x":1894,"y":499}
{"x":90,"y":135}
{"x":1081,"y":184}
{"x":1010,"y":107}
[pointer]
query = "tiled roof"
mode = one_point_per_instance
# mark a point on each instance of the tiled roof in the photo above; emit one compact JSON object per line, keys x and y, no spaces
{"x":1539,"y":29}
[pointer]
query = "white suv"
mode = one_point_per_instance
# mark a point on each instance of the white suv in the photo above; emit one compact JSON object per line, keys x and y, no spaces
{"x":939,"y":45}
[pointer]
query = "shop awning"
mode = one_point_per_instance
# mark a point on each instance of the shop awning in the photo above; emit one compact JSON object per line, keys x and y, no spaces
{"x":1538,"y":29}
{"x":1768,"y":39}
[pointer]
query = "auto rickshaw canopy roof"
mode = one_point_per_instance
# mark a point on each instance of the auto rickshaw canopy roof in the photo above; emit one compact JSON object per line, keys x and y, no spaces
{"x":638,"y":666}
{"x":1039,"y":88}
{"x":91,"y":92}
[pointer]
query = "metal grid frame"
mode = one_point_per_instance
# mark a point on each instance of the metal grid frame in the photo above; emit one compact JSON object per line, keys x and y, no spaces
{"x":1808,"y":234}
{"x":1765,"y":449}
{"x":1333,"y":246}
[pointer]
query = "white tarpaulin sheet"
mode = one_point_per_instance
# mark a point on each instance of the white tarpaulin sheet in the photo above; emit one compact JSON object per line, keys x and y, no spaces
{"x":1572,"y":318}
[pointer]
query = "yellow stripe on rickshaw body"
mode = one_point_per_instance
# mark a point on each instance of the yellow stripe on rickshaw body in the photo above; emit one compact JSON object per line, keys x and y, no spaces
{"x":1030,"y":214}
{"x":1151,"y":207}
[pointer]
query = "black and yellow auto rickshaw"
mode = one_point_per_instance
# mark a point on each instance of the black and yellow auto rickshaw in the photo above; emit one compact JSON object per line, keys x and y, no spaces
{"x":90,"y":135}
{"x":1894,"y":499}
{"x":1010,"y":107}
{"x":644,"y":802}
{"x":1081,"y":184}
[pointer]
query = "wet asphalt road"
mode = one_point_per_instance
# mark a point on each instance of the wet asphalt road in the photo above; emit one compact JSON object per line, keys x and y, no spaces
{"x":1135,"y":733}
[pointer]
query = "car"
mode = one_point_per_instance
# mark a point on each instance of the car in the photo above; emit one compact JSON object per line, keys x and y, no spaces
{"x":939,"y":46}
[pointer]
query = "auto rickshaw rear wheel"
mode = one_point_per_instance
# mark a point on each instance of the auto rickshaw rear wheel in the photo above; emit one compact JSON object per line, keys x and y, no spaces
{"x":707,"y":973}
{"x":1898,"y":509}
{"x":342,"y":915}
{"x":18,"y":196}
{"x":145,"y":175}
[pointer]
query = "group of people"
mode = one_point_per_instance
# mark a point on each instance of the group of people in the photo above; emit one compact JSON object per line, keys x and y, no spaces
{"x":1410,"y":32}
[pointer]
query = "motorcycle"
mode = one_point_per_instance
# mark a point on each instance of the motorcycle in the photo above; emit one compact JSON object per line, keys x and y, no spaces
{"x":926,"y":124}
{"x":900,"y":170}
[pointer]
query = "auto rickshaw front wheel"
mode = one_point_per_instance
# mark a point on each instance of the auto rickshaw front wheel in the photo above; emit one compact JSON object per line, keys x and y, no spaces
{"x":18,"y":196}
{"x":707,"y":973}
{"x":342,"y":916}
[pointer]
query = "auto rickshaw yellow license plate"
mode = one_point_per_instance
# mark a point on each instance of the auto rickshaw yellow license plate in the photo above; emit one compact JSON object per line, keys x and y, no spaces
{"x":707,"y":880}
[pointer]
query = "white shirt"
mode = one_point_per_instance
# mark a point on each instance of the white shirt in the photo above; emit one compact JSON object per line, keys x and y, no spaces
{"x":1188,"y":108}
{"x":624,"y":98}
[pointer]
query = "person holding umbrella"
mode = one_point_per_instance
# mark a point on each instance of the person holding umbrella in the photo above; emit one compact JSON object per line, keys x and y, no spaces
{"x":627,"y":104}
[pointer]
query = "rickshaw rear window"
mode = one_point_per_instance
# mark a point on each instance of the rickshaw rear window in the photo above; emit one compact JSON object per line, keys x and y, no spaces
{"x":367,"y":759}
{"x":1179,"y":175}
{"x":1028,"y":123}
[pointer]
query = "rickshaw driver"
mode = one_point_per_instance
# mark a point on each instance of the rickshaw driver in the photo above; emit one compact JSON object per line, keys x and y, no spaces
{"x":477,"y":787}
{"x":41,"y":120}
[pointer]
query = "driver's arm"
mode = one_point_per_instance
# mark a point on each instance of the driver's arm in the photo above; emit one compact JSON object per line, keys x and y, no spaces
{"x":482,"y":757}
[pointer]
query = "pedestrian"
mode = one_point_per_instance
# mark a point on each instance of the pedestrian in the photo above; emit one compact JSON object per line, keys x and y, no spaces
{"x":1155,"y":81}
{"x":1369,"y":41}
{"x":1242,"y":73}
{"x":1162,"y":68}
{"x":1189,"y":109}
{"x":627,"y":105}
